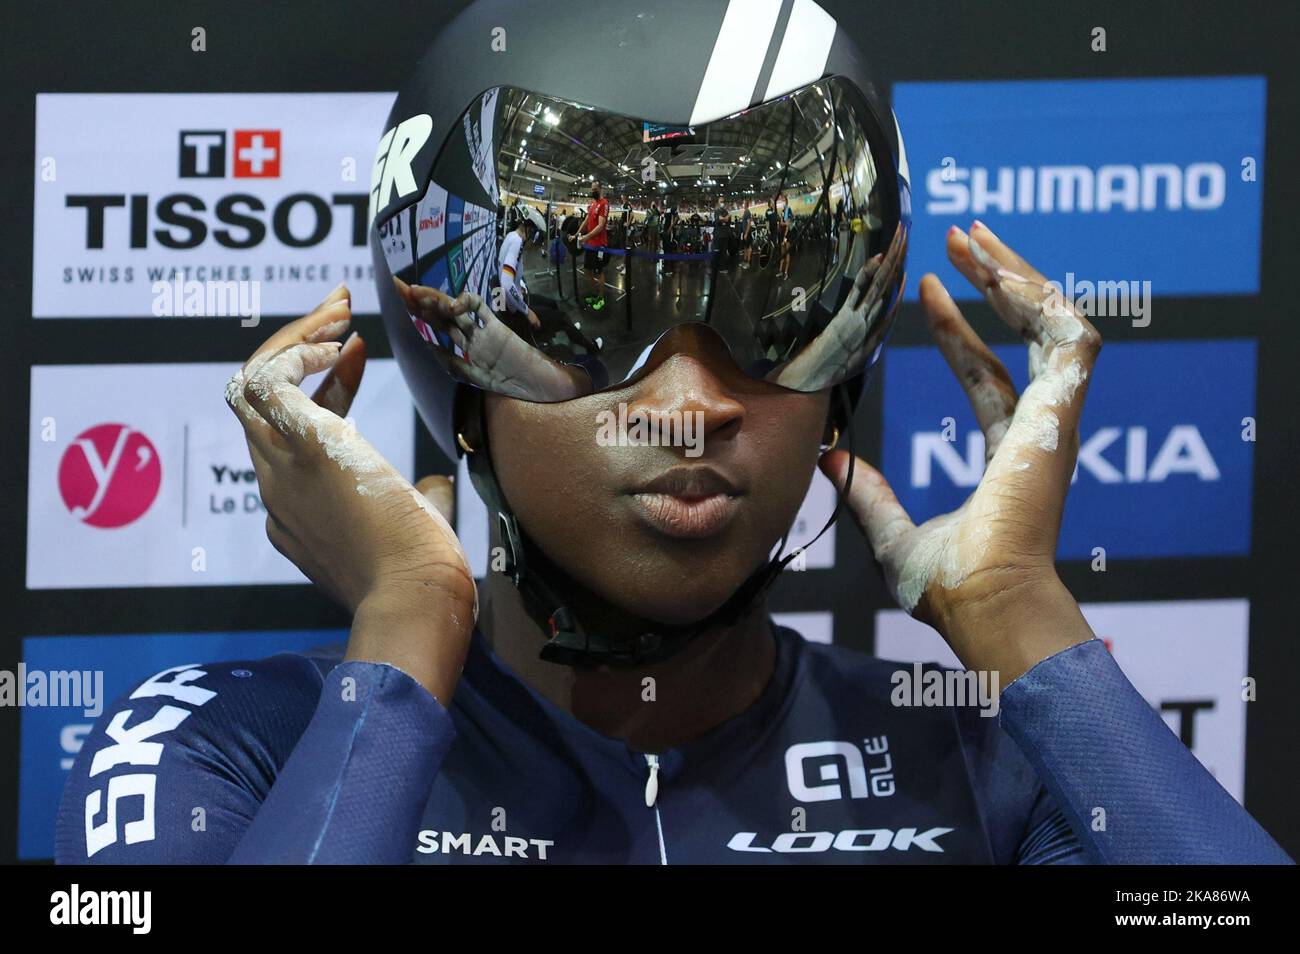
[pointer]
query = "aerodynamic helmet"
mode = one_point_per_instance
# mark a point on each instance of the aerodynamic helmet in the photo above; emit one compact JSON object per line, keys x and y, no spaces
{"x":697,"y":103}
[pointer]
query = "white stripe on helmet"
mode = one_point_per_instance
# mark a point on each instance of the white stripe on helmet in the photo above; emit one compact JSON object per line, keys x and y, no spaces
{"x":737,"y":59}
{"x":903,"y":171}
{"x":804,"y":49}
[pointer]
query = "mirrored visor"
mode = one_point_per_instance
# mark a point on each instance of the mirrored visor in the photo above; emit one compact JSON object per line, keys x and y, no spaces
{"x":572,"y":241}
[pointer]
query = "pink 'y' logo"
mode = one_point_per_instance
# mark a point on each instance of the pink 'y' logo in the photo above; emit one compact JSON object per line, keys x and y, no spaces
{"x":110,"y":475}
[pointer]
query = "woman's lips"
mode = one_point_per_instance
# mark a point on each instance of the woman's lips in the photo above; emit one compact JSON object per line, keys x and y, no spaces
{"x":690,"y":518}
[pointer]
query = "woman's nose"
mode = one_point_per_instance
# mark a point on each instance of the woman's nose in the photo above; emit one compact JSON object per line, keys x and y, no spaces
{"x":692,"y":381}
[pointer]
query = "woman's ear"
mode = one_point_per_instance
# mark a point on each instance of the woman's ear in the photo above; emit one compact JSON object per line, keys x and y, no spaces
{"x":471,"y":429}
{"x":831,"y":433}
{"x":838,"y":415}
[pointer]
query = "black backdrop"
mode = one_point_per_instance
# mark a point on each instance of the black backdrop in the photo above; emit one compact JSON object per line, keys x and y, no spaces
{"x":301,"y":46}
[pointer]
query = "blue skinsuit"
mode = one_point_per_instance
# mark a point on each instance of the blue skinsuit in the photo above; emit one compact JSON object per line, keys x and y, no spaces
{"x":299,"y":758}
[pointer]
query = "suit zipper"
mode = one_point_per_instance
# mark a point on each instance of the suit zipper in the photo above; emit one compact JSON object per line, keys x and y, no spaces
{"x":652,"y":801}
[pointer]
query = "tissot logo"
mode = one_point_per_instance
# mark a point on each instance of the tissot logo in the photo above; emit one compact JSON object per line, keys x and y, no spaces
{"x":256,"y":154}
{"x":109,"y":476}
{"x":203,"y":154}
{"x":208,"y":187}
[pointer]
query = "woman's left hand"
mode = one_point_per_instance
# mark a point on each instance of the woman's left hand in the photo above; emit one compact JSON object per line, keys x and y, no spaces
{"x":984,"y":575}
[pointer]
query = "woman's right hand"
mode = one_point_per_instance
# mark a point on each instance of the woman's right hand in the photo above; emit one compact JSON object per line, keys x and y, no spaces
{"x":343,"y":515}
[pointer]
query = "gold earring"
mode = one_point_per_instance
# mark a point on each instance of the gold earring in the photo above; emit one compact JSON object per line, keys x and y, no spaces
{"x":835,"y":439}
{"x":464,"y":444}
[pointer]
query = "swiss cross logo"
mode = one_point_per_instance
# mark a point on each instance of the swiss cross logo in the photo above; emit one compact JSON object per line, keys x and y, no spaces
{"x":254,"y":153}
{"x":257,"y":154}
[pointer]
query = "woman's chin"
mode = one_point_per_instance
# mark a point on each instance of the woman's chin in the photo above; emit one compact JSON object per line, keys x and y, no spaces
{"x":680,"y":606}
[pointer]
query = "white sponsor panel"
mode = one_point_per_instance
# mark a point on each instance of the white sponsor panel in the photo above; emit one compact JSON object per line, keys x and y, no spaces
{"x":137,"y":188}
{"x":431,"y":220}
{"x":815,"y":510}
{"x":139,"y":475}
{"x":471,"y":522}
{"x":1187,"y":659}
{"x":814,"y":627}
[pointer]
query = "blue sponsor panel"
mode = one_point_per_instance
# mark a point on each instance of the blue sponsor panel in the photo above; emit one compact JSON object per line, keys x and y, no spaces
{"x":455,"y":217}
{"x":1157,"y":180}
{"x":1164,"y":470}
{"x":52,"y":736}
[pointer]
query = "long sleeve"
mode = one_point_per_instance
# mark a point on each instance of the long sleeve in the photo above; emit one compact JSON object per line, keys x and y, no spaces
{"x":1129,"y":788}
{"x":257,"y":763}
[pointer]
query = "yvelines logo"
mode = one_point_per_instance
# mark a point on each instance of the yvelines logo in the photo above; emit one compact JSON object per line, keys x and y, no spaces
{"x":171,"y":477}
{"x":110,"y":475}
{"x":255,"y":154}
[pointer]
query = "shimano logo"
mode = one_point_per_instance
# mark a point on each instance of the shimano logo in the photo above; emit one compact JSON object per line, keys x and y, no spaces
{"x":1110,"y":455}
{"x":957,"y":190}
{"x":851,"y":839}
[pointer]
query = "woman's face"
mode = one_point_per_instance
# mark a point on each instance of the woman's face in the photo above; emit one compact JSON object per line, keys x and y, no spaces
{"x":648,"y":529}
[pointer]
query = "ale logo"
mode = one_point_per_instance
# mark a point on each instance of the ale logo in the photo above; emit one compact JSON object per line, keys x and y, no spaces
{"x":109,"y":476}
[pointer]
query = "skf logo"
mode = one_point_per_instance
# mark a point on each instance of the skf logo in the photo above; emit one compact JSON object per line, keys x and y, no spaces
{"x":841,"y":771}
{"x":256,"y":154}
{"x":391,"y":176}
{"x":109,"y":476}
{"x":138,"y":746}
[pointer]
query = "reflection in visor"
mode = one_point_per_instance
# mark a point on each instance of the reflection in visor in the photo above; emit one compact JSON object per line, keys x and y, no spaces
{"x":777,"y":228}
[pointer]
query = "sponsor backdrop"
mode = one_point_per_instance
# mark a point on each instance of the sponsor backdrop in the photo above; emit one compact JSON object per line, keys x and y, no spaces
{"x":1136,"y":177}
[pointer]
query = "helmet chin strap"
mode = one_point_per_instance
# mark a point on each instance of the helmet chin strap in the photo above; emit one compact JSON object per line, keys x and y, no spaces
{"x":570,"y":643}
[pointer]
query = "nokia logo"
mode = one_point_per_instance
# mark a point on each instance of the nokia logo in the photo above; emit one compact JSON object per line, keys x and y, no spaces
{"x":956,"y":190}
{"x":1103,"y":456}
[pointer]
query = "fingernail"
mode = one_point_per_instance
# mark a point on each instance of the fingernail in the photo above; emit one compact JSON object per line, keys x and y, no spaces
{"x":332,"y":292}
{"x":981,"y":257}
{"x":981,"y":225}
{"x":953,"y":230}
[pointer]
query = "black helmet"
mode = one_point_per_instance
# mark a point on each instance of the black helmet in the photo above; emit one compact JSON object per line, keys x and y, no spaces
{"x":703,"y":101}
